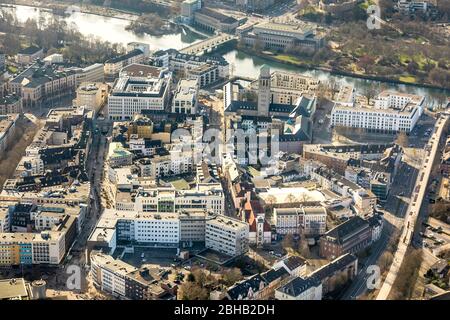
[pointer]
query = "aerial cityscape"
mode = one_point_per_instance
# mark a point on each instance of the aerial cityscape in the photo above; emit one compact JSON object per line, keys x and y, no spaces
{"x":224,"y":150}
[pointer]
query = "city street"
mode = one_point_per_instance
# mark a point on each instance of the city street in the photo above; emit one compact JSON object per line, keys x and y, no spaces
{"x":420,"y":187}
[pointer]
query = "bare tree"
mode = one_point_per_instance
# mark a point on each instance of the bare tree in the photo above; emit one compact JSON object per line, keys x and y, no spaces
{"x":369,"y":92}
{"x":402,"y":139}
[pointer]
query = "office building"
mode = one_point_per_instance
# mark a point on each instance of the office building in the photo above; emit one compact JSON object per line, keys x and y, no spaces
{"x":93,"y":73}
{"x":308,"y":221}
{"x":352,"y":236}
{"x":213,"y":20}
{"x":279,"y":36}
{"x":185,"y":97}
{"x":133,"y":94}
{"x":227,"y":235}
{"x":92,"y":96}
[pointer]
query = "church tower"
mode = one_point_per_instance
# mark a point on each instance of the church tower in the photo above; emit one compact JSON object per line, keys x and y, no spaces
{"x":264,"y":95}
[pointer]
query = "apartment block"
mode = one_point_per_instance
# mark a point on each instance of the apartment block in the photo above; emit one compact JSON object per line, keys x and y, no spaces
{"x":390,"y":112}
{"x":40,"y":83}
{"x":114,"y":65}
{"x":7,"y":130}
{"x":29,"y":55}
{"x":10,"y":104}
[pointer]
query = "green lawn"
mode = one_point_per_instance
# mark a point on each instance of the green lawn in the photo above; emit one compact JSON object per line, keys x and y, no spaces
{"x":287,"y":58}
{"x":409,"y":79}
{"x":12,"y":69}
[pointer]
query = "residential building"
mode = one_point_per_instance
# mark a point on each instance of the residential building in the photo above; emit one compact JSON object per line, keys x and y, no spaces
{"x":336,"y":273}
{"x":205,"y":69}
{"x":287,"y":87}
{"x":144,"y":47}
{"x":300,"y":289}
{"x":114,"y":65}
{"x":7,"y":130}
{"x":391,"y":112}
{"x":294,"y":265}
{"x":40,"y":83}
{"x":10,"y":104}
{"x":185,"y":97}
{"x":257,"y":287}
{"x":29,"y":55}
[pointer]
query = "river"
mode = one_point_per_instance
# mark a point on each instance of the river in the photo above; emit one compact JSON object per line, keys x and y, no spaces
{"x":113,"y":30}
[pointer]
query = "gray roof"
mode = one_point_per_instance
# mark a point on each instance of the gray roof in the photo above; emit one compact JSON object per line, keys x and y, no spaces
{"x":298,"y":285}
{"x":332,"y":267}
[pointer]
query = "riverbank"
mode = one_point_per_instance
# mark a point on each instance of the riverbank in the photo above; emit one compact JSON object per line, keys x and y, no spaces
{"x":61,"y":7}
{"x":136,"y":25}
{"x":335,"y":71}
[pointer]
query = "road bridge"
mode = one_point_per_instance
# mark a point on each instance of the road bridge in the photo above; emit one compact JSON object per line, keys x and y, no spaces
{"x":208,"y":44}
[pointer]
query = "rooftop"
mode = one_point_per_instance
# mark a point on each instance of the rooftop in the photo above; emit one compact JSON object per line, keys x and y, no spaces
{"x":126,"y":56}
{"x":13,"y":289}
{"x":217,"y":15}
{"x":298,"y":285}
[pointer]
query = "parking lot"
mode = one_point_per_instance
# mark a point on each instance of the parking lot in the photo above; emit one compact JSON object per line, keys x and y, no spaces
{"x":435,"y":234}
{"x":151,"y":257}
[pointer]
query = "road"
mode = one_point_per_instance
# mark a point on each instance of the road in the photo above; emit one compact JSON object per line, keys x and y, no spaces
{"x":393,"y":211}
{"x":359,"y":284}
{"x":413,"y":208}
{"x":95,"y":169}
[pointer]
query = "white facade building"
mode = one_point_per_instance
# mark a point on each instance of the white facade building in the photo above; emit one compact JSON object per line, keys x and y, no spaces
{"x":391,"y":112}
{"x":300,"y":289}
{"x":131,"y":95}
{"x":227,"y":235}
{"x":205,"y":197}
{"x":185,"y":97}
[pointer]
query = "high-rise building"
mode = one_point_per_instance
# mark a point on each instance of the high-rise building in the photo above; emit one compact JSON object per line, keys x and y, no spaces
{"x":264,"y":91}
